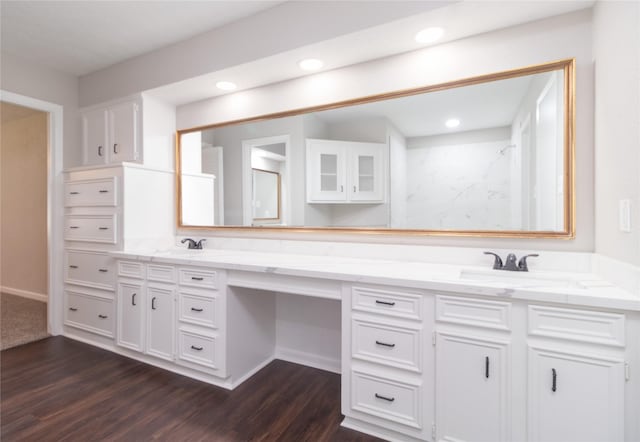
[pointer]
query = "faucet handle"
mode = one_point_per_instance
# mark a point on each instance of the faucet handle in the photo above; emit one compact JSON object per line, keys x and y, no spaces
{"x":497,"y":262}
{"x":199,"y":243}
{"x":522,"y":264}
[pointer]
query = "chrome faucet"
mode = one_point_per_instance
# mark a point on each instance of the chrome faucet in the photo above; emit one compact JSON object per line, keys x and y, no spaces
{"x":510,"y":264}
{"x":194,"y":244}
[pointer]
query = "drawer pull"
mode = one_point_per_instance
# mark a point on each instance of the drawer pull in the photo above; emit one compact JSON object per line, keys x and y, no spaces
{"x":99,"y":151}
{"x":153,"y":303}
{"x":196,"y":348}
{"x":384,"y":344}
{"x":74,"y":227}
{"x":102,"y":316}
{"x":73,"y":309}
{"x":133,"y":299}
{"x":193,"y":309}
{"x":486,"y":367}
{"x":103,"y":270}
{"x":115,"y":147}
{"x":103,"y":228}
{"x":74,"y":193}
{"x":384,"y":398}
{"x":554,"y":379}
{"x":103,"y":191}
{"x":73,"y":267}
{"x":385,"y":302}
{"x":197,"y":278}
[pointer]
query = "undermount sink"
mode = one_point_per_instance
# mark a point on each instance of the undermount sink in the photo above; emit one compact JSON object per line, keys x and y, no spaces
{"x":523,"y":279}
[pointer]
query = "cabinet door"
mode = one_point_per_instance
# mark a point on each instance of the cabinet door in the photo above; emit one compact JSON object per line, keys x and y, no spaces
{"x":472,"y":389}
{"x":160,"y":322}
{"x":367,"y":172}
{"x":130,"y":316}
{"x":575,"y":397}
{"x":94,"y":134}
{"x":326,"y":171}
{"x":123,"y":132}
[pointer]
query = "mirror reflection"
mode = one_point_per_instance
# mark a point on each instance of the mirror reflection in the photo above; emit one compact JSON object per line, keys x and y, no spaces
{"x":485,"y":157}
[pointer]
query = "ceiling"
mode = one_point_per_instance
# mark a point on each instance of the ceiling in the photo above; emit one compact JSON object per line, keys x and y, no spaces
{"x":79,"y":37}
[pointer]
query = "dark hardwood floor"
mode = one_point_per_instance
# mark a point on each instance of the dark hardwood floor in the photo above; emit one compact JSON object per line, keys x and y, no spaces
{"x":58,"y":389}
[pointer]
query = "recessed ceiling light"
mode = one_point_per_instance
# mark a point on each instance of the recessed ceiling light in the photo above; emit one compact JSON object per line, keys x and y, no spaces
{"x":226,"y":85}
{"x":429,"y":35}
{"x":452,"y":122}
{"x":311,"y":64}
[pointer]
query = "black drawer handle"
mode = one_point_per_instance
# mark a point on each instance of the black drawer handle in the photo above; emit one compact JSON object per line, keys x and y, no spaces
{"x":103,"y":228}
{"x":554,"y":380}
{"x":99,"y":151}
{"x":385,"y":302}
{"x":196,"y":309}
{"x":73,"y":309}
{"x":115,"y":147}
{"x":196,"y":348}
{"x":153,"y":303}
{"x":73,"y":267}
{"x":197,"y":278}
{"x":102,"y":316}
{"x":103,"y":191}
{"x":384,"y":344}
{"x":103,"y":270}
{"x":486,"y":367}
{"x":74,"y":227}
{"x":133,"y":299}
{"x":384,"y":398}
{"x":74,"y":193}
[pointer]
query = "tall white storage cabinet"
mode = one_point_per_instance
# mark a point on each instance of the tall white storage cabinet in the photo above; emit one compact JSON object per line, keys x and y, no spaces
{"x":345,"y":172}
{"x":101,"y":217}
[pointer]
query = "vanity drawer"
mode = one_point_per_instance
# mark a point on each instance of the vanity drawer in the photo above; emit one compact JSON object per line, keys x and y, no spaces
{"x":198,"y":310}
{"x":131,"y":269}
{"x":161,"y":273}
{"x":392,"y":400}
{"x":93,"y":269}
{"x":386,"y":344}
{"x":386,"y":302}
{"x":473,"y":312}
{"x":91,"y":228}
{"x":100,"y":192}
{"x":577,"y":325}
{"x":90,"y":313}
{"x":198,"y":278}
{"x":201,"y":350}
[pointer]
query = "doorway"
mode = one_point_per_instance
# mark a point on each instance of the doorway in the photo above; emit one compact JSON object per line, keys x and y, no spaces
{"x":23,"y":224}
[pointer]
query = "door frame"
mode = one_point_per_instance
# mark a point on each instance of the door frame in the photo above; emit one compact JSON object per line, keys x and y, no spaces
{"x":55,"y":215}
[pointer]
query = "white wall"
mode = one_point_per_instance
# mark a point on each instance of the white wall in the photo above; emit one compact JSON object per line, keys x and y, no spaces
{"x":616,"y":51}
{"x":35,"y":81}
{"x":538,"y":42}
{"x":458,"y":182}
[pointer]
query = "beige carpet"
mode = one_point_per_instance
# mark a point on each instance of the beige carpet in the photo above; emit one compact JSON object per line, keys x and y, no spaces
{"x":22,"y":320}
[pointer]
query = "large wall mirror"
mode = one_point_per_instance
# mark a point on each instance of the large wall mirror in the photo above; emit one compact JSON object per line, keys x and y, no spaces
{"x":490,"y":155}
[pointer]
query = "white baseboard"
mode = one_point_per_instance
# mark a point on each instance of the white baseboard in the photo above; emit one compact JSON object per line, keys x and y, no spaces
{"x":25,"y":294}
{"x":241,"y":379}
{"x":308,"y":359}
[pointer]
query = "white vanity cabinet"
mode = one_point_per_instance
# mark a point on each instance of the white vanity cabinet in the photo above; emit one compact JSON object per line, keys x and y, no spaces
{"x":345,"y":172}
{"x":473,"y":369}
{"x":111,"y":134}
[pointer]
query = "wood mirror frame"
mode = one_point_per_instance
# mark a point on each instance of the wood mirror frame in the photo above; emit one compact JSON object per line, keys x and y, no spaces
{"x":568,"y":230}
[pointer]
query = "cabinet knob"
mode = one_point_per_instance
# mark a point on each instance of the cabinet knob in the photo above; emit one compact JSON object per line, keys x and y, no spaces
{"x":153,"y":303}
{"x":115,"y":147}
{"x":99,"y":151}
{"x":193,"y":309}
{"x":196,"y":348}
{"x":385,"y":303}
{"x":74,"y":193}
{"x":133,"y":299}
{"x":73,"y":267}
{"x":73,"y":309}
{"x":102,"y":316}
{"x":554,"y":380}
{"x":486,"y":367}
{"x":385,"y":344}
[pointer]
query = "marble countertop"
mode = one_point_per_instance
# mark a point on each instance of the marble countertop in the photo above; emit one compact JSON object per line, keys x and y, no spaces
{"x":582,"y":289}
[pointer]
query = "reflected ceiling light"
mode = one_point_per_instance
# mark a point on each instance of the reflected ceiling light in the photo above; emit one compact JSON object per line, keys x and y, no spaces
{"x":226,"y":85}
{"x":429,"y":35}
{"x":311,"y":64}
{"x":452,"y":122}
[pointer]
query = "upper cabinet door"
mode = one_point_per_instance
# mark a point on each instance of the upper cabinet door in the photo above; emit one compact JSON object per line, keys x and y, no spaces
{"x":367,"y":175}
{"x":326,"y":171}
{"x":123,"y":132}
{"x":94,"y":132}
{"x":574,"y":397}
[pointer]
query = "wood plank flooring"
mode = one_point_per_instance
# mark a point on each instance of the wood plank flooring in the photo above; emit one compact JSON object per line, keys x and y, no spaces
{"x":58,"y":389}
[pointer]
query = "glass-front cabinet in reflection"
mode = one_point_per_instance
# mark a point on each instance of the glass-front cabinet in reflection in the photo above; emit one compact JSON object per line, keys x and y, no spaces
{"x":490,"y":155}
{"x":345,"y":172}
